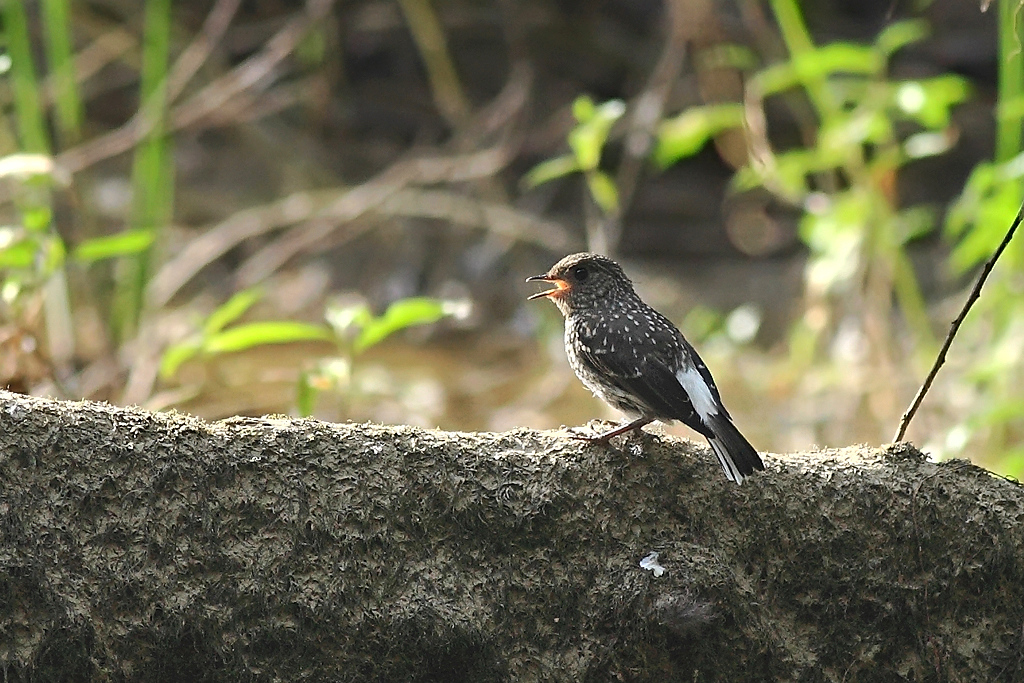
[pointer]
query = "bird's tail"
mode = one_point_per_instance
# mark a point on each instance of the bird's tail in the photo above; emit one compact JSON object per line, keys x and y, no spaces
{"x":738,"y":457}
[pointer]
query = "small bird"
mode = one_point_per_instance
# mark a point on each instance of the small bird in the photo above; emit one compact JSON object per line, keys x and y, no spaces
{"x":635,"y":359}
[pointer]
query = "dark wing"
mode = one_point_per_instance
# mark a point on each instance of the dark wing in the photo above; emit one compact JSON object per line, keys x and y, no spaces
{"x":651,"y":381}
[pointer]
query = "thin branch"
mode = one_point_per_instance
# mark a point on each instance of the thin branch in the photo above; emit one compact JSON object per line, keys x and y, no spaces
{"x":211,"y":97}
{"x":955,"y":327}
{"x":336,"y":206}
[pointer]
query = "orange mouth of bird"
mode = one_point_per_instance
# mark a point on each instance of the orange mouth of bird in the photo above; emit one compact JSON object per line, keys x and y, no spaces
{"x":560,"y":286}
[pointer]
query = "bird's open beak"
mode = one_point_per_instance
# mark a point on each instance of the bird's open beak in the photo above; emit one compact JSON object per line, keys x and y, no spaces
{"x":560,"y":286}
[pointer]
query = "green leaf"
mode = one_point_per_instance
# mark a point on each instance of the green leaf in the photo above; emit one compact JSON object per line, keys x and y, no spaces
{"x":37,"y":218}
{"x":548,"y":170}
{"x":26,"y":165}
{"x":178,"y":354}
{"x":343,"y":319}
{"x":583,"y":109}
{"x":978,"y":218}
{"x":231,"y":310}
{"x":687,"y":133}
{"x":122,"y":244}
{"x":60,"y":58}
{"x":788,"y":172}
{"x":900,"y":34}
{"x":1008,"y":110}
{"x":915,"y":222}
{"x":306,"y":394}
{"x":928,"y":144}
{"x":930,"y":101}
{"x":54,"y":254}
{"x":400,"y":315}
{"x":588,"y":138}
{"x":603,"y":190}
{"x":23,"y":81}
{"x":250,"y":335}
{"x":20,"y":254}
{"x":964,"y":210}
{"x":990,"y":219}
{"x":842,"y":132}
{"x":817,"y":64}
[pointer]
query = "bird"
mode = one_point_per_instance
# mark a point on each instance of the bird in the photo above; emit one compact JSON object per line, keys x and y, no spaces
{"x":637,"y":361}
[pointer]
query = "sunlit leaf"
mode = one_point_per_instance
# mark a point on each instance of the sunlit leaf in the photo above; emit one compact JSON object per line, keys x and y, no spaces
{"x":930,"y":101}
{"x":978,"y":218}
{"x":336,"y":371}
{"x":37,"y":218}
{"x":814,"y":65}
{"x":400,"y":315}
{"x":843,"y":131}
{"x":26,"y":165}
{"x":306,"y":395}
{"x":602,"y":189}
{"x":686,"y":134}
{"x":965,"y":209}
{"x":177,"y":354}
{"x":900,"y":34}
{"x":927,"y":144}
{"x":12,"y":287}
{"x":20,"y":254}
{"x":231,"y":310}
{"x":549,"y":170}
{"x":1010,"y":109}
{"x":991,"y":216}
{"x":588,"y":138}
{"x":583,"y":109}
{"x":915,"y":222}
{"x":54,"y":253}
{"x":10,"y":234}
{"x":343,"y":319}
{"x":250,"y":335}
{"x":122,"y":244}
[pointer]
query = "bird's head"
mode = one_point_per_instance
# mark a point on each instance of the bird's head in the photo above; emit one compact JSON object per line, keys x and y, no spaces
{"x":584,"y":281}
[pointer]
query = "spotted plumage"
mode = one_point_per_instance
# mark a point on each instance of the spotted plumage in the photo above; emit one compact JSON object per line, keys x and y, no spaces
{"x":636,"y":360}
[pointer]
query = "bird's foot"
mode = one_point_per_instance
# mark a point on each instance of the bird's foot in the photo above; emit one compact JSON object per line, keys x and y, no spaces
{"x":635,"y":427}
{"x":588,"y":438}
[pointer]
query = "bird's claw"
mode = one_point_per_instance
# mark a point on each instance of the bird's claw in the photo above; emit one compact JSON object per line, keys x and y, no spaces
{"x":573,"y":434}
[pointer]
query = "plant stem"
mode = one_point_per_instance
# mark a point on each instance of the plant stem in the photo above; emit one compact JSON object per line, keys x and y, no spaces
{"x":152,"y":169}
{"x":1011,"y":79}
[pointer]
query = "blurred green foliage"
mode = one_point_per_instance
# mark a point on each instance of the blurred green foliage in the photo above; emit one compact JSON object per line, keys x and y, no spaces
{"x":351,"y":329}
{"x":152,"y":170}
{"x":217,"y":334}
{"x":355,"y":330}
{"x":868,"y":126}
{"x":586,"y":142}
{"x":993,"y":335}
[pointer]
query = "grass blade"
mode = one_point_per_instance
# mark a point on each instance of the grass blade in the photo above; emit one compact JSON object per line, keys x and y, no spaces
{"x":27,"y":105}
{"x":152,"y":176}
{"x":59,"y":54}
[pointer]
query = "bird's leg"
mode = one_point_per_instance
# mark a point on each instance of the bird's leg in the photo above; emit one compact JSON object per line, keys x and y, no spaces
{"x":604,"y":438}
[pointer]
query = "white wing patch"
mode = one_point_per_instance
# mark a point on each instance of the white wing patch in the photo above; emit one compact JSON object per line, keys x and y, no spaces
{"x":698,"y":391}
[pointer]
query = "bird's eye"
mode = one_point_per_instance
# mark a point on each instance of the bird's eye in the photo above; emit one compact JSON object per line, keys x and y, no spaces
{"x":580,"y":273}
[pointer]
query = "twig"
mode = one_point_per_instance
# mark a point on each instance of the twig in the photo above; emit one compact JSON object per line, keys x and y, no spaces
{"x":428,"y":33}
{"x":337,"y":206}
{"x":684,"y":21}
{"x":955,"y":327}
{"x":250,"y":73}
